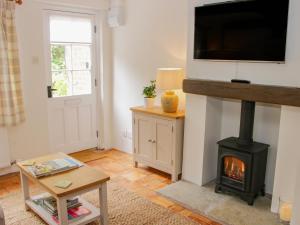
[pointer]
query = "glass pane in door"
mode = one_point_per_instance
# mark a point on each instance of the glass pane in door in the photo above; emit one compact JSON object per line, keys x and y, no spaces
{"x":61,"y":82}
{"x":70,"y":29}
{"x":81,"y":82}
{"x":81,"y":57}
{"x":71,"y":56}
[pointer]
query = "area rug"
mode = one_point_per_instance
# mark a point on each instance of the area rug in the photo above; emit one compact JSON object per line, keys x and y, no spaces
{"x":222,"y":208}
{"x":125,"y":208}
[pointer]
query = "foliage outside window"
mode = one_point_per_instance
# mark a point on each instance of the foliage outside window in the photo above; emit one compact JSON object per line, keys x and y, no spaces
{"x":58,"y":63}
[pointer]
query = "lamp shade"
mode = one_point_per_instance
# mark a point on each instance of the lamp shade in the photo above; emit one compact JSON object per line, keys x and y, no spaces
{"x":169,"y":78}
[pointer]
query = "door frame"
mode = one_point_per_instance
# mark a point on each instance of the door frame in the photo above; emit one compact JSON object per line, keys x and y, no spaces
{"x":97,"y":57}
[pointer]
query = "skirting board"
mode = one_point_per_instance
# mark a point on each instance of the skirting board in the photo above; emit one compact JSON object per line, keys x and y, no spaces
{"x":8,"y":170}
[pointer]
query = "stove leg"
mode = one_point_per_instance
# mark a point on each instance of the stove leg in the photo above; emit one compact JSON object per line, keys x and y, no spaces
{"x":263,"y":191}
{"x":249,"y":199}
{"x":218,"y":189}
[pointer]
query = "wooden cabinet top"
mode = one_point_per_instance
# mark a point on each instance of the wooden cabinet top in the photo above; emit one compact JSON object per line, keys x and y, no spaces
{"x":158,"y":111}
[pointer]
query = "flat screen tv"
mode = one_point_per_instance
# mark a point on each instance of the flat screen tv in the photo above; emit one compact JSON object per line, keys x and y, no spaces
{"x":253,"y":30}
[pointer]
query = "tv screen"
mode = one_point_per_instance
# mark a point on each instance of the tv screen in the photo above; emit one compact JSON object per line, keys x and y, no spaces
{"x":253,"y":30}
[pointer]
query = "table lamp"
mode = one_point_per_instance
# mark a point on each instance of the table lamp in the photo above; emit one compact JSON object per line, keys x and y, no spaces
{"x":169,"y":79}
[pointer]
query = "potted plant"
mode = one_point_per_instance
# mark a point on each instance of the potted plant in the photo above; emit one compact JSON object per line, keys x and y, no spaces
{"x":149,"y":93}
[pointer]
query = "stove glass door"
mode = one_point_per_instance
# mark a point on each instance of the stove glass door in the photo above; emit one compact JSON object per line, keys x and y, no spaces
{"x":234,"y":168}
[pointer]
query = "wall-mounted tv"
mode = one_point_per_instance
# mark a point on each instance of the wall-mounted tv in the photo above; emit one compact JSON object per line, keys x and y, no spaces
{"x":252,"y":30}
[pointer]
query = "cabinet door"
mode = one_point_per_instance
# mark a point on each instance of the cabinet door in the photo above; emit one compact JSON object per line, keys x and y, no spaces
{"x":164,"y":143}
{"x":144,"y":137}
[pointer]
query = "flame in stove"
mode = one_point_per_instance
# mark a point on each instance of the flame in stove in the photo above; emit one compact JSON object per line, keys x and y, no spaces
{"x":234,"y":168}
{"x":243,"y":167}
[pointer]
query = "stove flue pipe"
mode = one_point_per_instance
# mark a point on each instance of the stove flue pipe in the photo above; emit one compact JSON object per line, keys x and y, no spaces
{"x":247,"y":123}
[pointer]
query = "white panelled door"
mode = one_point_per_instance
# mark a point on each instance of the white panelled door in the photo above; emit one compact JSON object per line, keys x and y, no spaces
{"x":70,"y":46}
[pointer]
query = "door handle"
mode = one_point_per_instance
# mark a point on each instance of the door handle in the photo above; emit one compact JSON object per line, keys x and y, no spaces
{"x":50,"y":90}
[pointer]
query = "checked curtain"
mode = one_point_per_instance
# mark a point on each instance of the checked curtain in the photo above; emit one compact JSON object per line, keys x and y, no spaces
{"x":11,"y":98}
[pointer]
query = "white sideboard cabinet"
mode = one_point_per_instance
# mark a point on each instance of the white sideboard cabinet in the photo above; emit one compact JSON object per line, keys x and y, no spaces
{"x":158,"y":139}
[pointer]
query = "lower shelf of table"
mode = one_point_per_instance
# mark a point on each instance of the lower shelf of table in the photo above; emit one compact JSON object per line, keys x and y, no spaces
{"x":41,"y":212}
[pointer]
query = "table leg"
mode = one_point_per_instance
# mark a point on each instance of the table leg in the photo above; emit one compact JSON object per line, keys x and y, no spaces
{"x":25,"y":189}
{"x":62,"y":211}
{"x":103,"y":204}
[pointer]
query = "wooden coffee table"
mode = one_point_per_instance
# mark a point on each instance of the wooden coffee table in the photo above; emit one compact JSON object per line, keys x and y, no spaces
{"x":84,"y":179}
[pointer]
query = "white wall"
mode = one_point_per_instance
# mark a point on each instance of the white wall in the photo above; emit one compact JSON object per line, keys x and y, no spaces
{"x":296,"y":209}
{"x":202,"y":129}
{"x":31,"y":138}
{"x":268,"y":117}
{"x":4,"y":149}
{"x":89,"y":4}
{"x":154,"y":35}
{"x":106,"y":83}
{"x":194,"y":139}
{"x":213,"y":123}
{"x":288,"y":157}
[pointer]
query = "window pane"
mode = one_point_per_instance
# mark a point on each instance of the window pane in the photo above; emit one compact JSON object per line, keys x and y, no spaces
{"x":68,"y":57}
{"x":82,"y":83}
{"x":70,"y":29}
{"x":81,"y":57}
{"x":61,"y":57}
{"x":61,"y":82}
{"x":58,"y":57}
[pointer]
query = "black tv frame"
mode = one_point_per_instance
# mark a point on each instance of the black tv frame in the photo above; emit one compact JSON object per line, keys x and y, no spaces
{"x":240,"y":60}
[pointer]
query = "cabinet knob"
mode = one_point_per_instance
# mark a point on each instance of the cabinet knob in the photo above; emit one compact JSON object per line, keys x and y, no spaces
{"x":153,"y":141}
{"x":149,"y":140}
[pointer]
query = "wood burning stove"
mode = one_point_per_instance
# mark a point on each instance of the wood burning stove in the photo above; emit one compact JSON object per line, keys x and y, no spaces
{"x":241,"y":161}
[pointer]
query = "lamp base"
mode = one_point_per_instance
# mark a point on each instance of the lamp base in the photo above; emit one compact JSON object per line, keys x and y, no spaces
{"x":169,"y":102}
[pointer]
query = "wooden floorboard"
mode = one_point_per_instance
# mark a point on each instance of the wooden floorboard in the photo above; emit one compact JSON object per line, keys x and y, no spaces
{"x":143,"y":180}
{"x":88,"y":155}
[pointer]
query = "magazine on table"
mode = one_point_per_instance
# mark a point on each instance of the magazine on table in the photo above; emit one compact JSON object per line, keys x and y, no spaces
{"x":53,"y":167}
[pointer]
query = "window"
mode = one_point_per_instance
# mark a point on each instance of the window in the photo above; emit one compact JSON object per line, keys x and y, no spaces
{"x":71,"y":55}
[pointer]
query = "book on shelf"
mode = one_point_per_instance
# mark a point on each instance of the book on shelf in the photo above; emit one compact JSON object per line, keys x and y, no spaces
{"x":75,"y":214}
{"x":75,"y":209}
{"x":49,"y":203}
{"x":53,"y":167}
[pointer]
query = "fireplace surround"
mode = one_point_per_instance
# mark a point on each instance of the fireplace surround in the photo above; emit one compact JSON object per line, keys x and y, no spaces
{"x":212,"y":114}
{"x":270,"y":94}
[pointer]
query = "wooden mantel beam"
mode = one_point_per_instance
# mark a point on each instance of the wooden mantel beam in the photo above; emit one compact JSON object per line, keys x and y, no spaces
{"x":279,"y":95}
